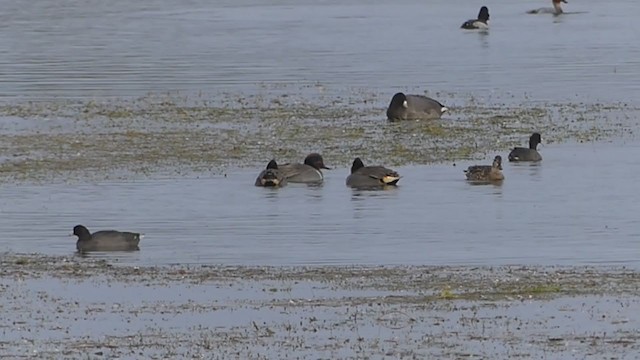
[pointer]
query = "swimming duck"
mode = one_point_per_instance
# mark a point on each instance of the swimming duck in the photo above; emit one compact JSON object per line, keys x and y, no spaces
{"x":486,"y":172}
{"x":527,"y":154}
{"x":371,"y":176}
{"x":556,"y":9}
{"x":308,"y":172}
{"x":105,"y":240}
{"x":414,"y":107}
{"x":482,"y":22}
{"x":271,"y":176}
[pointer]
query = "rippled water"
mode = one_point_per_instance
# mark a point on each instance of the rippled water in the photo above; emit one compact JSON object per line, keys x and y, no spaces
{"x":121,"y":48}
{"x":577,"y":207}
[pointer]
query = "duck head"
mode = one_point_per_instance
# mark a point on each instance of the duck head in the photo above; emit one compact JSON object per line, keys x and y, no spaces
{"x":534,"y":140}
{"x":357,"y":165}
{"x":315,"y":161}
{"x":497,"y":162}
{"x":399,"y":100}
{"x":81,"y":232}
{"x":483,"y":15}
{"x":557,"y":7}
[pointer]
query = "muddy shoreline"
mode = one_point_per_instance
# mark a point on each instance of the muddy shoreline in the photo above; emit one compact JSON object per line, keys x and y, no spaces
{"x":170,"y":135}
{"x":53,"y":306}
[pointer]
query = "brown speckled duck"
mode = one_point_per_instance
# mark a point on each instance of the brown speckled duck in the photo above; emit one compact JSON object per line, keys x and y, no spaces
{"x":486,"y":172}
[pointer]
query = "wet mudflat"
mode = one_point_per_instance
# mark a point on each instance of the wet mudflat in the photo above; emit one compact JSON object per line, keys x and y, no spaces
{"x":53,"y":306}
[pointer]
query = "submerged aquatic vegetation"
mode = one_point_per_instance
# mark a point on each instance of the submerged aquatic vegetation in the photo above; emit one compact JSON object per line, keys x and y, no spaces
{"x":170,"y":134}
{"x":307,"y":312}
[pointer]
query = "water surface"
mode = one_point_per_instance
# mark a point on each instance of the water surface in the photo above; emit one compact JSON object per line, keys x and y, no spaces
{"x":577,"y":207}
{"x":96,"y":49}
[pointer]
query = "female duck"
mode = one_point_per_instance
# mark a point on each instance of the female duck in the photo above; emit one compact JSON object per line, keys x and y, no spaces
{"x":105,"y":240}
{"x":271,"y":176}
{"x":527,"y":154}
{"x":414,"y":107}
{"x":371,"y":176}
{"x":486,"y":172}
{"x":556,"y":9}
{"x":482,"y":22}
{"x":309,"y":172}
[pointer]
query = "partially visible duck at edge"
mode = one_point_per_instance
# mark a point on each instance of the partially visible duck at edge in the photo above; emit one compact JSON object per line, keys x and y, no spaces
{"x":486,"y":173}
{"x":308,"y":172}
{"x":371,"y":177}
{"x":527,"y":154}
{"x":414,"y":107}
{"x":271,"y":176}
{"x":556,"y":9}
{"x":105,"y":240}
{"x":482,"y":22}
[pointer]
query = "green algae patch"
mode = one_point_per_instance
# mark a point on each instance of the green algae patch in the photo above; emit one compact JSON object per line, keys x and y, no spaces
{"x":21,"y":261}
{"x":543,"y":289}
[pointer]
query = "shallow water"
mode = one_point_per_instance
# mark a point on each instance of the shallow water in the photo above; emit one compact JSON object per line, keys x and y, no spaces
{"x":97,"y":49}
{"x":576,"y":207}
{"x":49,"y":317}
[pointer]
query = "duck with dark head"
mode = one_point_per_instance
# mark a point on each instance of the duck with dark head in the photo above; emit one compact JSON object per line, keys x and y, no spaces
{"x":527,"y":154}
{"x":271,"y":176}
{"x":105,"y":240}
{"x":307,"y":172}
{"x":482,"y":22}
{"x":371,"y":177}
{"x":414,"y":107}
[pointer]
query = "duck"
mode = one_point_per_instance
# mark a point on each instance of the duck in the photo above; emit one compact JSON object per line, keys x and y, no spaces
{"x":371,"y":176}
{"x":105,"y":240}
{"x":487,"y":173}
{"x":307,"y":172}
{"x":414,"y":107}
{"x":482,"y":22}
{"x":271,"y":176}
{"x":527,"y":154}
{"x":556,"y":9}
